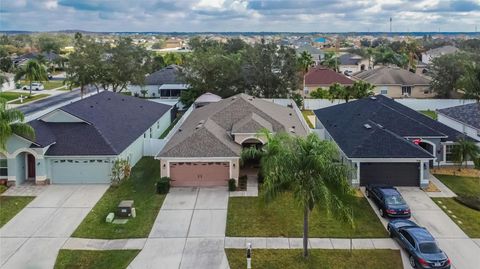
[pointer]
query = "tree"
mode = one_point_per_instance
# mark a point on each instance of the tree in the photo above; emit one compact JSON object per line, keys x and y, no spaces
{"x":305,"y":61}
{"x":320,"y":94}
{"x":173,"y":58}
{"x":470,"y":81}
{"x":314,"y":175}
{"x":143,"y":92}
{"x":12,"y":122}
{"x":338,"y":91}
{"x":446,"y":70}
{"x":6,"y":64}
{"x":465,"y":150}
{"x":155,"y":63}
{"x":32,"y":71}
{"x":330,"y":61}
{"x":361,"y":89}
{"x":49,"y":43}
{"x":269,"y":71}
{"x":85,"y":64}
{"x":3,"y":79}
{"x":124,"y":64}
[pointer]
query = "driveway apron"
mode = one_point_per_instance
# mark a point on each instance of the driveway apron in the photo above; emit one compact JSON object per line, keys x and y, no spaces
{"x":34,"y":236}
{"x":189,"y":231}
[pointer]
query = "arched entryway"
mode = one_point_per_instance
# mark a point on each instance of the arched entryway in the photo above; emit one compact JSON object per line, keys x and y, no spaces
{"x":25,"y":168}
{"x":362,"y":67}
{"x":252,"y":142}
{"x":31,"y":170}
{"x":430,"y":147}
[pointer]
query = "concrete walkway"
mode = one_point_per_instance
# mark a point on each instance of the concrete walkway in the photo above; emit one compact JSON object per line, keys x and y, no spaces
{"x":33,"y":237}
{"x":444,"y":192}
{"x":189,"y":231}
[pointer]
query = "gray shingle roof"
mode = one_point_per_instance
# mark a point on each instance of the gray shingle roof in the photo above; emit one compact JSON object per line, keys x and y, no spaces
{"x":167,"y":75}
{"x":442,"y":50}
{"x":468,"y":114}
{"x":389,"y":123}
{"x":349,"y":59}
{"x":113,"y":122}
{"x":251,"y":124}
{"x":391,"y":76}
{"x":207,"y":131}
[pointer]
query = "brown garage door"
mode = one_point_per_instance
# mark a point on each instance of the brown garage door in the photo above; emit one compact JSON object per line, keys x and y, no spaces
{"x":185,"y":174}
{"x":396,"y":174}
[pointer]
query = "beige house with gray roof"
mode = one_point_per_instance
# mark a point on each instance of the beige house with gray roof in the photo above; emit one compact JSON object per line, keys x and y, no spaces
{"x":206,"y":149}
{"x":396,"y":82}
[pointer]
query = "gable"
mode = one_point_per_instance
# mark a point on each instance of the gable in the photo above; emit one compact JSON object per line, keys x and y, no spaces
{"x":60,"y":116}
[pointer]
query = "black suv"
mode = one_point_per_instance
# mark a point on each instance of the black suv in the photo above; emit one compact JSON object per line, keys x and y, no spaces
{"x":389,"y":201}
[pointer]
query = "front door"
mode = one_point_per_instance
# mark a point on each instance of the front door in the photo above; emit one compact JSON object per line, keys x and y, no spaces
{"x":30,"y":166}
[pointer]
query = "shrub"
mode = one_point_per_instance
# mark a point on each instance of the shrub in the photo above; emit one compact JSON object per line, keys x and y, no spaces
{"x":469,"y":201}
{"x":3,"y":188}
{"x":120,"y":171}
{"x":163,"y":185}
{"x":232,"y":185}
{"x":260,"y":176}
{"x":477,"y":163}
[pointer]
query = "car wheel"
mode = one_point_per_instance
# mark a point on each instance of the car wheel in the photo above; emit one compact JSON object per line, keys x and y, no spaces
{"x":412,"y":262}
{"x":380,"y":211}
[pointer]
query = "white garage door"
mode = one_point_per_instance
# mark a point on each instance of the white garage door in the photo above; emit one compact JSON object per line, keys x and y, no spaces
{"x":82,"y":171}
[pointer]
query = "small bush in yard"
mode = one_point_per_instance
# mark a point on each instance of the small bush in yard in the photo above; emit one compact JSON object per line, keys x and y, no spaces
{"x":163,"y":185}
{"x":3,"y":188}
{"x":232,"y":185}
{"x":476,"y":162}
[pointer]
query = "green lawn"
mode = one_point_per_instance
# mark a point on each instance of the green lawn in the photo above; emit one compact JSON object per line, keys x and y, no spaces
{"x":140,"y":188}
{"x":430,"y":113}
{"x":48,"y":85}
{"x":319,"y":258}
{"x":9,"y":96}
{"x":93,"y":259}
{"x":31,"y":98}
{"x":462,"y":186}
{"x":470,"y":218}
{"x":305,"y":114}
{"x":249,"y":216}
{"x":165,"y":133}
{"x":11,"y":205}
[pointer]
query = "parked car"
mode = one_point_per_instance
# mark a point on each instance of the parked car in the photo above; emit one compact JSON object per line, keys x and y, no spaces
{"x":36,"y":86}
{"x":420,"y":245}
{"x":389,"y":201}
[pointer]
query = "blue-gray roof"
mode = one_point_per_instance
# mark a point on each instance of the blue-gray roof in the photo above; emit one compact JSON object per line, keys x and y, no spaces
{"x":168,"y":75}
{"x":468,"y":114}
{"x":112,"y":122}
{"x":377,"y":127}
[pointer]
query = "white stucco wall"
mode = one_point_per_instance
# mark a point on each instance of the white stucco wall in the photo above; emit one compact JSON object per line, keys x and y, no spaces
{"x":468,"y":130}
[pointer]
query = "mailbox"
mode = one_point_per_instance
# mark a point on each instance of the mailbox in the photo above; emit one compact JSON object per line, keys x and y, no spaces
{"x":124,"y":209}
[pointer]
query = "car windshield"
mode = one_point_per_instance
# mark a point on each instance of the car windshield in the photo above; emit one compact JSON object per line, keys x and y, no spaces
{"x":429,"y":248}
{"x":394,"y":200}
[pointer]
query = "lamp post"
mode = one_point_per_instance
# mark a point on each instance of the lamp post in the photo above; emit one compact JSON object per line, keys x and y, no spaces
{"x":249,"y":255}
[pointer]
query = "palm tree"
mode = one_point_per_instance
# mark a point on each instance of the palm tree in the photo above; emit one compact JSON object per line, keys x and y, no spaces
{"x":331,"y":61}
{"x":465,"y":150}
{"x":338,"y":91}
{"x":11,"y":122}
{"x":32,"y":71}
{"x":313,"y":175}
{"x":305,"y":61}
{"x":361,"y":89}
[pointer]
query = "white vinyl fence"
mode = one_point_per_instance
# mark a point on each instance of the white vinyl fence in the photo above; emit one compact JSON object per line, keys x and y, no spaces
{"x":153,"y":146}
{"x":416,"y":104}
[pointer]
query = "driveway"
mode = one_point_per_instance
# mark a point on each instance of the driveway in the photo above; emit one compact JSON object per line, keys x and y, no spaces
{"x":189,"y":231}
{"x":462,"y":250}
{"x":33,"y":237}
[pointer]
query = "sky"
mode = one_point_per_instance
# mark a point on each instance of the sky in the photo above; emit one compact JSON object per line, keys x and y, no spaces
{"x":240,"y":15}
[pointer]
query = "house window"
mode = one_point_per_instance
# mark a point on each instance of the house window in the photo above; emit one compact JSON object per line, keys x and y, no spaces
{"x":3,"y":168}
{"x":384,"y":91}
{"x":449,"y":153}
{"x":406,"y":90}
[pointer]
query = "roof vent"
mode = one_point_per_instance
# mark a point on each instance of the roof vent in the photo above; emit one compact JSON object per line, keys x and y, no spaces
{"x":179,"y":130}
{"x":373,"y":98}
{"x":234,"y":97}
{"x":123,"y":99}
{"x":91,"y":106}
{"x":367,"y":126}
{"x":290,"y":114}
{"x":293,"y":127}
{"x":201,"y":122}
{"x":292,"y":131}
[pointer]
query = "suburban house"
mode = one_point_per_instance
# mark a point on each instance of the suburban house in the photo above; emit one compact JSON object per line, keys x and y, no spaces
{"x":386,"y":142}
{"x":24,"y":58}
{"x":464,"y":118}
{"x":317,"y":54}
{"x":166,"y":83}
{"x":79,"y":142}
{"x":206,"y":149}
{"x":429,"y":55}
{"x":206,"y":98}
{"x":396,"y":82}
{"x":352,"y":63}
{"x":322,"y":77}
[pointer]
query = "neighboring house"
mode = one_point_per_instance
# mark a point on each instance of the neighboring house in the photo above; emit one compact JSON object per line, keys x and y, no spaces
{"x":206,"y":149}
{"x":429,"y":55}
{"x":78,"y":143}
{"x":385,"y":142}
{"x":396,"y":82}
{"x":322,"y":77}
{"x":421,"y":68}
{"x":22,"y":59}
{"x":351,"y":63}
{"x":317,"y":54}
{"x":166,"y":83}
{"x":464,"y":118}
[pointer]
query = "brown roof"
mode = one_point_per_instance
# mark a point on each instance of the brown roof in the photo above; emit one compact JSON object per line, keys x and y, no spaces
{"x":325,"y":76}
{"x":207,"y":131}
